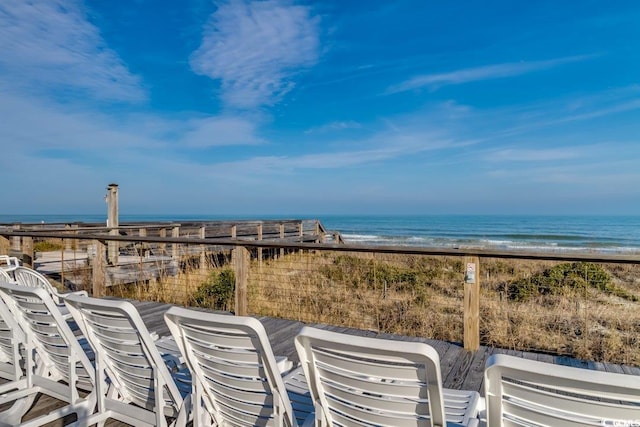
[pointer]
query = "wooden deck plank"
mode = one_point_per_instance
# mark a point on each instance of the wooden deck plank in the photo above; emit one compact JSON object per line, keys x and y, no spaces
{"x":543,"y":357}
{"x":448,"y":363}
{"x":281,"y":334}
{"x":631,"y":370}
{"x":460,"y":369}
{"x":597,"y":366}
{"x":610,"y":367}
{"x":474,"y":378}
{"x":529,"y":356}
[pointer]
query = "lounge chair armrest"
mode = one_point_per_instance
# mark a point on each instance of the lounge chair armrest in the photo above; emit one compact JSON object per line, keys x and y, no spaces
{"x":284,"y":364}
{"x":185,"y":412}
{"x":10,"y":262}
{"x":59,"y":297}
{"x":169,"y":351}
{"x":79,"y":293}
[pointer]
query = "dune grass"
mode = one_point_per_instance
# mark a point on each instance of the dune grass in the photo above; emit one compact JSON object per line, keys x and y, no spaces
{"x":586,"y":311}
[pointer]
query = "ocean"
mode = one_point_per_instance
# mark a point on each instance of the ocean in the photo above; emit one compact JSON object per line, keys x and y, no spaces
{"x":608,"y":234}
{"x":600,"y":234}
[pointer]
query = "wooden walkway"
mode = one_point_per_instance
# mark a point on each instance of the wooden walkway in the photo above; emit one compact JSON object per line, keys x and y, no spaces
{"x":461,"y":369}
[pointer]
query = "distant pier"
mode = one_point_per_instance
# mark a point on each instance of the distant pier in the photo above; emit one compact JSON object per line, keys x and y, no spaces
{"x":131,"y":261}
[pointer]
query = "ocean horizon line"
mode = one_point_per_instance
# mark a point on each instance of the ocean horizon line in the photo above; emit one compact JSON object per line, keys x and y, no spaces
{"x":557,"y":233}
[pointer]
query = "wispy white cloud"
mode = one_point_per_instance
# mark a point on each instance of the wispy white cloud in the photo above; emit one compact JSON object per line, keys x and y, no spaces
{"x":487,"y":72}
{"x":522,"y":119}
{"x":384,"y":146}
{"x":36,"y":127}
{"x":600,"y":111}
{"x":594,"y":171}
{"x":31,"y":124}
{"x":57,"y":148}
{"x":334,"y":127}
{"x":49,"y":46}
{"x":534,"y":155}
{"x":255,"y":48}
{"x":587,"y":174}
{"x":220,"y":130}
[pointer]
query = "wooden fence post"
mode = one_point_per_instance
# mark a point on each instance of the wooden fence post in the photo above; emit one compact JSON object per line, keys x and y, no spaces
{"x":202,"y":234}
{"x":98,"y":272}
{"x":144,"y":247}
{"x":240,"y":259}
{"x":64,"y":247}
{"x":259,"y":238}
{"x":114,"y":247}
{"x":70,"y":244}
{"x":282,"y":237}
{"x":175,"y":255}
{"x":4,"y":245}
{"x":67,"y":243}
{"x":471,"y":303}
{"x":259,"y":255}
{"x":175,"y":232}
{"x":16,"y":245}
{"x":162,"y":246}
{"x":27,"y":251}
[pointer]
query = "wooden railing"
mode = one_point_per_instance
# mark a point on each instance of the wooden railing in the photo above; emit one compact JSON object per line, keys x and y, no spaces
{"x":21,"y":242}
{"x":296,"y":229}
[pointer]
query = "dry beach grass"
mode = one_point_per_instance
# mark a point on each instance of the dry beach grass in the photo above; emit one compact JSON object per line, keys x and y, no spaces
{"x":592,"y":313}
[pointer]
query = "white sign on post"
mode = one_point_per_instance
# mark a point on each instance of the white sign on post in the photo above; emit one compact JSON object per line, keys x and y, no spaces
{"x":470,"y":276}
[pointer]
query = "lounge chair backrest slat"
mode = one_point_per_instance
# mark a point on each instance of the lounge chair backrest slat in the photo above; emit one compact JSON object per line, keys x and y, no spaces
{"x":233,"y":368}
{"x":4,"y":276}
{"x":127,"y":353}
{"x":370,"y":381}
{"x":55,"y":363}
{"x":49,"y":332}
{"x":11,"y":339}
{"x":27,"y":277}
{"x":531,"y":392}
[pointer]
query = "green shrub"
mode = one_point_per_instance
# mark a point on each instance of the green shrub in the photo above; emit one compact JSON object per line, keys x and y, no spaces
{"x":357,"y":272}
{"x":47,"y":246}
{"x":390,"y":275}
{"x":218,"y":290}
{"x":406,"y":275}
{"x":561,"y":279}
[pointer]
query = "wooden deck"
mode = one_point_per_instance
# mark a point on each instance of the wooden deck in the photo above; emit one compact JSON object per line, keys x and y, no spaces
{"x":461,"y":369}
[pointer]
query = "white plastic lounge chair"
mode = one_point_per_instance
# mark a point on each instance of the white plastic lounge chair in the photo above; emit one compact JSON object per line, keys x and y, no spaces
{"x":55,"y":363}
{"x":11,"y":340}
{"x":8,"y":263}
{"x":28,"y":277}
{"x":362,"y":381}
{"x":523,"y":392}
{"x":236,"y":380}
{"x":4,"y":276}
{"x":133,"y":382}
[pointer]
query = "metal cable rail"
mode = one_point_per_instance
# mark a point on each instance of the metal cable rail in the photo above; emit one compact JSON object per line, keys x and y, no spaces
{"x":290,"y":243}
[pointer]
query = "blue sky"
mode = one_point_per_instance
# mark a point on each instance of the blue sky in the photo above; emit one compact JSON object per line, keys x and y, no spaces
{"x":282,"y":107}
